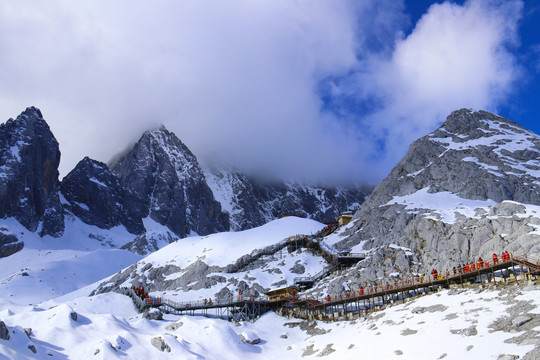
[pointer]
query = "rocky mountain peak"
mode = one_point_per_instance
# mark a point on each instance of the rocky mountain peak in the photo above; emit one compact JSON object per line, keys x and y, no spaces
{"x":29,"y":159}
{"x":466,"y":125}
{"x":475,"y":154}
{"x":94,"y":194}
{"x":444,"y":200}
{"x":169,"y":186}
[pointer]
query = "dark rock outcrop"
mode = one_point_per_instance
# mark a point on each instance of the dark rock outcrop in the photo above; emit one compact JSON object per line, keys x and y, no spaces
{"x":4,"y":332}
{"x":9,"y":243}
{"x":95,"y":196}
{"x":29,"y":159}
{"x":169,"y":186}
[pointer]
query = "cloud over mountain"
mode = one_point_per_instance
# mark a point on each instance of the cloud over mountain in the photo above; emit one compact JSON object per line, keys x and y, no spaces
{"x":322,"y":90}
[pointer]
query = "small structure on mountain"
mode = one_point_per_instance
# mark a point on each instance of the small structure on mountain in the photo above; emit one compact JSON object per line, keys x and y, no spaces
{"x":345,"y":218}
{"x":282,"y":293}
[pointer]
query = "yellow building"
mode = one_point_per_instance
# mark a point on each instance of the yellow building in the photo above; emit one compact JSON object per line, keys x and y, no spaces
{"x":282,"y":293}
{"x":345,"y":218}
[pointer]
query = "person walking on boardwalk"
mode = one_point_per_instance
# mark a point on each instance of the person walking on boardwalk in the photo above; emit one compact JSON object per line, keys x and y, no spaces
{"x":495,"y":258}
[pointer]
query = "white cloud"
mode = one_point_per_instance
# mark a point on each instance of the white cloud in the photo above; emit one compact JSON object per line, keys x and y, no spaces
{"x":455,"y":57}
{"x":235,"y":78}
{"x":239,"y":79}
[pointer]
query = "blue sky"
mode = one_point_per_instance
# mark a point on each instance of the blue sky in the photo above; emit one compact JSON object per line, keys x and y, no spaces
{"x":332,"y":90}
{"x":522,"y":105}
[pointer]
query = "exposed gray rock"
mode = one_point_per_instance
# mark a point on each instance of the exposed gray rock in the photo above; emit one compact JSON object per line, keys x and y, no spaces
{"x":9,"y":243}
{"x":249,"y":338}
{"x":309,"y":350}
{"x":255,"y":202}
{"x":73,"y":315}
{"x":326,"y":351}
{"x":149,"y":242}
{"x":508,"y":357}
{"x":466,"y":156}
{"x":470,"y":331}
{"x":297,"y":268}
{"x":32,"y":348}
{"x":159,"y":343}
{"x":521,"y":320}
{"x":153,"y":314}
{"x":176,"y":325}
{"x":408,"y":332}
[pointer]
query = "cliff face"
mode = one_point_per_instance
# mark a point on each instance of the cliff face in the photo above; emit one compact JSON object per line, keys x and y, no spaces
{"x":169,"y":186}
{"x":94,"y":195}
{"x":29,"y":159}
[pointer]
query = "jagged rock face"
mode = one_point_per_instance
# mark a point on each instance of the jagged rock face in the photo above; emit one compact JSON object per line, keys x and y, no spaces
{"x":475,"y":155}
{"x":169,"y":186}
{"x":29,"y":159}
{"x":95,"y":196}
{"x":251,"y":202}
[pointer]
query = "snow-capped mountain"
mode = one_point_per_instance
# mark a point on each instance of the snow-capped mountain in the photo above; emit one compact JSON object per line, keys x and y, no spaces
{"x":429,"y":212}
{"x":169,"y":186}
{"x":468,"y":189}
{"x":29,"y":158}
{"x":157,"y":181}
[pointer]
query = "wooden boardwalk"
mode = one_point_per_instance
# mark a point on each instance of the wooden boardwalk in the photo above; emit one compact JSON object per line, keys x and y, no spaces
{"x":340,"y":306}
{"x":373,"y":298}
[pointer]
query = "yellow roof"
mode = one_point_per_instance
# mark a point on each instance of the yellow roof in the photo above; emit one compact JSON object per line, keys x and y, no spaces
{"x":283,"y":290}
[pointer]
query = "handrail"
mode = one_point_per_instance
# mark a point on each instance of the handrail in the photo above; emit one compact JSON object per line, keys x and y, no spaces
{"x":372,"y":291}
{"x":380,"y":290}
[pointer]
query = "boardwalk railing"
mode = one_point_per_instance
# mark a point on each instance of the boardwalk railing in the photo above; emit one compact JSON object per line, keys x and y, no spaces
{"x":302,"y":280}
{"x":248,"y":307}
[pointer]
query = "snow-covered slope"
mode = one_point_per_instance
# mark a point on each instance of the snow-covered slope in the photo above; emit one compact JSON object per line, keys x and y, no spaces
{"x":198,"y":267}
{"x":50,"y":267}
{"x":454,"y":325}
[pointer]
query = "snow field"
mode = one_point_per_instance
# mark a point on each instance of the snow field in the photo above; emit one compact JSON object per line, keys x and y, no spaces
{"x":107,"y":326}
{"x":225,"y":248}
